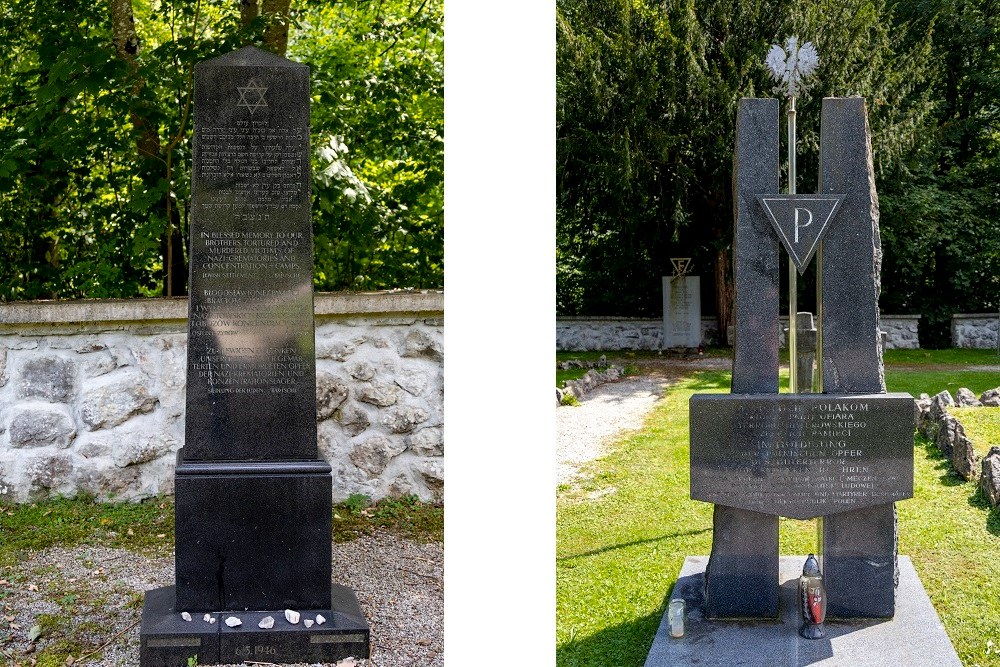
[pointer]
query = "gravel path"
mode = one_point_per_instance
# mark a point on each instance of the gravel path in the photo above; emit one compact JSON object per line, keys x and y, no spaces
{"x":584,"y":432}
{"x":398,"y":582}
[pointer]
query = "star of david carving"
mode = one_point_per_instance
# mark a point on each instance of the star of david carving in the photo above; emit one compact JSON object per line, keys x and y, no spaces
{"x":255,"y":92}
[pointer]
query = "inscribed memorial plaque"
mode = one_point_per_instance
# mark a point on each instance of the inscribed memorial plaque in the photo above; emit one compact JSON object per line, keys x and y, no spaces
{"x":251,"y":324}
{"x":801,"y":455}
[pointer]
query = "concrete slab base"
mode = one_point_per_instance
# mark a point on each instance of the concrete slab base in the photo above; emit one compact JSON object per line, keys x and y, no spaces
{"x":915,"y":637}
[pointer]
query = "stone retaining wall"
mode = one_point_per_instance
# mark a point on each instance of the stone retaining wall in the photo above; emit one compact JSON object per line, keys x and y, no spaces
{"x":92,"y":395}
{"x":901,"y":331}
{"x":583,"y":334}
{"x":976,"y":330}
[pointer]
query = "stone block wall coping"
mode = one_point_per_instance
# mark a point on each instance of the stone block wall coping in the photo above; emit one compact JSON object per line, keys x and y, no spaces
{"x":975,"y":316}
{"x":612,"y":318}
{"x":327,"y":304}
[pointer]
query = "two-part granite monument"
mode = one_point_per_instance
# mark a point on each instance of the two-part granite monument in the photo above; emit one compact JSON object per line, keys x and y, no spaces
{"x":253,"y":496}
{"x":842,"y":455}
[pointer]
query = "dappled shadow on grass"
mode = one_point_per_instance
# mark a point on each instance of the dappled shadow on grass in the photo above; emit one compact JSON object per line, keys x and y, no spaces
{"x":993,"y":521}
{"x":978,"y":500}
{"x":949,"y":477}
{"x":623,"y":645}
{"x":625,"y":545}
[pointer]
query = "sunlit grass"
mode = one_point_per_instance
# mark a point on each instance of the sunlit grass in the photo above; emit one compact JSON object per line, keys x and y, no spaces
{"x":619,"y":555}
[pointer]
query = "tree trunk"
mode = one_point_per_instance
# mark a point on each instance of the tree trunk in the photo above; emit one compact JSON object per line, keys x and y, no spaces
{"x":723,"y":294}
{"x":148,"y":148}
{"x":249,"y":10}
{"x":276,"y":35}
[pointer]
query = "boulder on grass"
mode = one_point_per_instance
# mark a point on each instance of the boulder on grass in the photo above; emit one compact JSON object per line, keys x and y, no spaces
{"x":989,"y":479}
{"x":964,"y":398}
{"x":991,"y":398}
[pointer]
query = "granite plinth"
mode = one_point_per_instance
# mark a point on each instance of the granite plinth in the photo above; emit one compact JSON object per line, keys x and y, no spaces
{"x":166,"y":640}
{"x":253,"y":535}
{"x":915,"y":637}
{"x":741,"y":577}
{"x":801,"y":455}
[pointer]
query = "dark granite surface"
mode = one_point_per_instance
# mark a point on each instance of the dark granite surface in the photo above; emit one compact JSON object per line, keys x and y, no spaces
{"x":253,"y":506}
{"x":800,"y":221}
{"x":801,"y":455}
{"x":858,"y":549}
{"x":852,"y":253}
{"x":755,"y":250}
{"x":741,"y":578}
{"x":253,"y":541}
{"x":168,"y":641}
{"x":251,"y":346}
{"x":857,"y":553}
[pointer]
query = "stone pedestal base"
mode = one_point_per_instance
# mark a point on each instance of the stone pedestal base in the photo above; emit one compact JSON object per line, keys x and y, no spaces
{"x":253,"y":535}
{"x":914,"y":637}
{"x":167,"y":640}
{"x":741,"y":577}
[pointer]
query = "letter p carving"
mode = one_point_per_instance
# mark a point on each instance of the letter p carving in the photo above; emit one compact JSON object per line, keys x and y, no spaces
{"x":797,"y":225}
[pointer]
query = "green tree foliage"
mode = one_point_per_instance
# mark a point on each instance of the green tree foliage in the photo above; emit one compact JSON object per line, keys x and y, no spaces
{"x":95,"y":135}
{"x":647,"y":96}
{"x":378,"y":132}
{"x":943,"y":253}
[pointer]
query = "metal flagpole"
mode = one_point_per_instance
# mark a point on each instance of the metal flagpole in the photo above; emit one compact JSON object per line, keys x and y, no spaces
{"x":789,"y":65}
{"x":793,"y":297}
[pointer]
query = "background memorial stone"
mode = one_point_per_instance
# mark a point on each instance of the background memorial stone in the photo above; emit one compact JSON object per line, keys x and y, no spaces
{"x":741,"y":579}
{"x":858,"y":549}
{"x":681,"y":311}
{"x":805,"y":351}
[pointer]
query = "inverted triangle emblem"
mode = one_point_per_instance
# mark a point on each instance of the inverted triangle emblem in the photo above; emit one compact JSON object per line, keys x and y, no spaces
{"x":800,"y":221}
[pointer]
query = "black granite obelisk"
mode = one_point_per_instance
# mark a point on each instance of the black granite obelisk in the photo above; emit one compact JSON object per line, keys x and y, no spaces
{"x":741,"y":579}
{"x":253,"y":497}
{"x":858,"y":549}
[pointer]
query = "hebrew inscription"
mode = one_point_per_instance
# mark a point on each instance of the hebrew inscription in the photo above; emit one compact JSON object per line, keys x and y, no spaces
{"x":801,"y":455}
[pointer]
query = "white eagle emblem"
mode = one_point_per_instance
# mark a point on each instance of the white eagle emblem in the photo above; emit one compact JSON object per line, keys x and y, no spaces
{"x":791,"y":64}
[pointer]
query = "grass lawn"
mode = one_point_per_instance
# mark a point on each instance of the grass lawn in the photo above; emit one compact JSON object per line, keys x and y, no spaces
{"x":982,"y":425}
{"x":619,"y":555}
{"x":148,"y":527}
